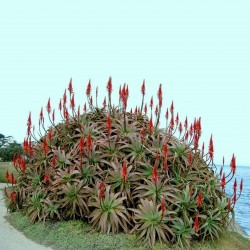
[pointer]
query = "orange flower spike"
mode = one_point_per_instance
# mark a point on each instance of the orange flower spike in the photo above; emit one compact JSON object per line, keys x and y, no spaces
{"x":70,"y":87}
{"x":7,"y":176}
{"x":172,"y":108}
{"x":211,"y":148}
{"x":89,"y":142}
{"x":223,"y":181}
{"x":64,"y":98}
{"x":155,"y":173}
{"x":53,"y":160}
{"x":81,"y":144}
{"x":199,"y":199}
{"x":235,"y":185}
{"x":162,"y":206}
{"x":13,"y":196}
{"x":108,"y":125}
{"x":124,"y":171}
{"x":88,"y":90}
{"x":48,"y":107}
{"x":196,"y":224}
{"x":72,"y":102}
{"x":46,"y":178}
{"x":159,"y":95}
{"x":233,"y":164}
{"x":101,"y":191}
{"x":109,"y":86}
{"x":143,"y":88}
{"x":241,"y":185}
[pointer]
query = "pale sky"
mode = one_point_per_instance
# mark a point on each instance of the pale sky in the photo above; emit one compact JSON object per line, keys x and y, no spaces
{"x":198,"y":50}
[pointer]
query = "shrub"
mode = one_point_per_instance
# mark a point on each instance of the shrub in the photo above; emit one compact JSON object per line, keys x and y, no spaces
{"x":119,"y":171}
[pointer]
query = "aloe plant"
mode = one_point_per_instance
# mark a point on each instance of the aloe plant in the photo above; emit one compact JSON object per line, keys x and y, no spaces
{"x":121,"y":171}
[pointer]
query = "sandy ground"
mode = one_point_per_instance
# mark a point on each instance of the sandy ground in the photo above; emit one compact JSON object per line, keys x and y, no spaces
{"x":10,"y":238}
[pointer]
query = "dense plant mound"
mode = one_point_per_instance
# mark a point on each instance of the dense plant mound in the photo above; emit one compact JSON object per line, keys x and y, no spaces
{"x":119,"y":171}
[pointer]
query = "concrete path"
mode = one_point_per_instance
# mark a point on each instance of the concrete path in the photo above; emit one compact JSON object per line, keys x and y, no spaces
{"x":10,"y":238}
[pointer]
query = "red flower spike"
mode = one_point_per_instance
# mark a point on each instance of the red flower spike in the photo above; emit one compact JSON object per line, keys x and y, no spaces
{"x":104,"y":102}
{"x":186,"y":136}
{"x":23,"y":165}
{"x":235,"y":185}
{"x":166,"y":115}
{"x":124,"y":171}
{"x":151,"y":102}
{"x":199,"y":199}
{"x":156,"y":110}
{"x":64,"y":98}
{"x":45,"y":146}
{"x":172,"y":123}
{"x":60,"y":105}
{"x":89,"y":142}
{"x":162,"y":206}
{"x":145,"y":108}
{"x":155,"y":173}
{"x":41,"y":115}
{"x":159,"y":95}
{"x":53,"y":115}
{"x":108,"y":125}
{"x":196,"y":141}
{"x":91,"y":100}
{"x":180,"y":128}
{"x":211,"y":148}
{"x":46,"y":178}
{"x":81,"y":144}
{"x":12,"y":179}
{"x":50,"y":135}
{"x":72,"y":102}
{"x":165,"y":150}
{"x":48,"y":106}
{"x":165,"y":165}
{"x":142,"y":133}
{"x":85,"y":108}
{"x":66,"y":114}
{"x":143,"y":88}
{"x":229,"y":205}
{"x":177,"y":119}
{"x":196,"y":224}
{"x":223,"y":181}
{"x":7,"y":176}
{"x":109,"y":86}
{"x":53,"y":160}
{"x":150,"y":126}
{"x":172,"y":107}
{"x":101,"y":191}
{"x":120,"y":93}
{"x":191,"y":130}
{"x":13,"y":196}
{"x":233,"y":164}
{"x":234,"y":198}
{"x":186,"y":123}
{"x":88,"y":90}
{"x":241,"y":185}
{"x":70,"y":87}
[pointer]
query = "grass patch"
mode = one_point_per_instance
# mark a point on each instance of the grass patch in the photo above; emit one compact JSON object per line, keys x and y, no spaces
{"x":75,"y":235}
{"x":4,"y":166}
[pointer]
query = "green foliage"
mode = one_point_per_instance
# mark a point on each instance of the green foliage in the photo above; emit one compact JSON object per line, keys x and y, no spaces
{"x":8,"y":151}
{"x":119,"y":172}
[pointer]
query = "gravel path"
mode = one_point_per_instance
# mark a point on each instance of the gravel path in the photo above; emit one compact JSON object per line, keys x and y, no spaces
{"x":10,"y":238}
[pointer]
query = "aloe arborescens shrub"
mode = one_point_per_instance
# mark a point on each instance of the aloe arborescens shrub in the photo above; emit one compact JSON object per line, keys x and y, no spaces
{"x":118,"y":171}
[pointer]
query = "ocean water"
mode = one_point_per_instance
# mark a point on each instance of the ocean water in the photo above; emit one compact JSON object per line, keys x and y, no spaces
{"x":242,"y":207}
